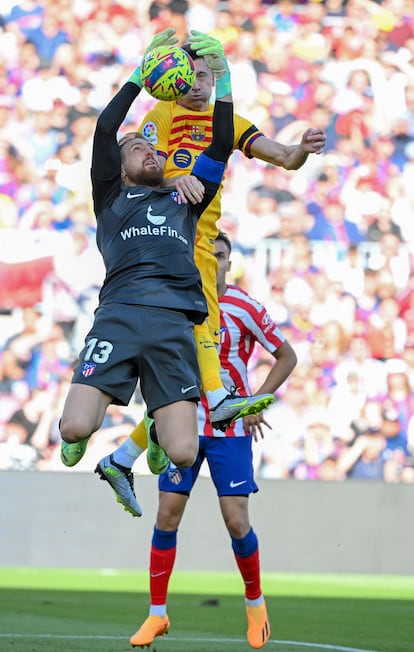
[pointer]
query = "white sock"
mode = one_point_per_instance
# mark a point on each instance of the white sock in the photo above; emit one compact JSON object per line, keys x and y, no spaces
{"x":254,"y":603}
{"x":158,"y":610}
{"x":127,"y":453}
{"x":216,"y":396}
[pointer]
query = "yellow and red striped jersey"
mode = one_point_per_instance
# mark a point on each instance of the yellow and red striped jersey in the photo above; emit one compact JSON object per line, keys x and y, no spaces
{"x":179,"y":135}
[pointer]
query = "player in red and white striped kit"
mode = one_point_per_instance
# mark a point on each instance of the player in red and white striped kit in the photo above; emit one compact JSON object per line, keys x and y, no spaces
{"x":243,"y":322}
{"x":229,"y":455}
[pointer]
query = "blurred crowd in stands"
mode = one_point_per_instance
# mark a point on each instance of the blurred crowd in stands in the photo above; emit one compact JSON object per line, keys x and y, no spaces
{"x":329,"y":249}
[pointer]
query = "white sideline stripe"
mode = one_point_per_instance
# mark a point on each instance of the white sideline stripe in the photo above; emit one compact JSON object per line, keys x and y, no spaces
{"x":317,"y":646}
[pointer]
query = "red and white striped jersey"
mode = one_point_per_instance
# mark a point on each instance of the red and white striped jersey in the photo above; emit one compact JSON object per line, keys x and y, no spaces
{"x":243,"y":322}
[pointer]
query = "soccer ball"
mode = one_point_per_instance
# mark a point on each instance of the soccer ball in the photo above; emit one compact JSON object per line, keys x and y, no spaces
{"x":167,"y":73}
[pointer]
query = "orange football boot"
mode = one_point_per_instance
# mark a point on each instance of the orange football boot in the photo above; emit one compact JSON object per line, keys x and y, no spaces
{"x":152,"y":627}
{"x":258,"y":626}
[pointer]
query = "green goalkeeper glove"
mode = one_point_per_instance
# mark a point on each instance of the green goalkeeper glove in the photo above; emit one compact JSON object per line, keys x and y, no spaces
{"x":212,"y":50}
{"x":164,"y":38}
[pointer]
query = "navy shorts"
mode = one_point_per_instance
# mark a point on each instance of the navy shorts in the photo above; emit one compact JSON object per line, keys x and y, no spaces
{"x":230,"y":460}
{"x":131,"y":342}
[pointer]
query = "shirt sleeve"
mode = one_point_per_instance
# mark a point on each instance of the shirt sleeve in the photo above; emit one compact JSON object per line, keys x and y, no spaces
{"x":211,"y":164}
{"x":254,"y":318}
{"x":106,"y":158}
{"x":245,"y":134}
{"x":264,"y":330}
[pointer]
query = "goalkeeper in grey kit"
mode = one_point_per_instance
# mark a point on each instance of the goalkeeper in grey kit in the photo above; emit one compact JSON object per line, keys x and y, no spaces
{"x":152,"y":294}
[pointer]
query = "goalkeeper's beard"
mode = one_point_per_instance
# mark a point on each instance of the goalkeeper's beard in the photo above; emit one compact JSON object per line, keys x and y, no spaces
{"x":145,"y":177}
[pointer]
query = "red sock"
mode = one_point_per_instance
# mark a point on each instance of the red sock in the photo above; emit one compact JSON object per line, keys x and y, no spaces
{"x":250,"y":571}
{"x":161,"y":566}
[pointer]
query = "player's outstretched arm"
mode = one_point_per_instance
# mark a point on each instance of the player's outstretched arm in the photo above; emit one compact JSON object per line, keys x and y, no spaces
{"x":106,"y":157}
{"x":112,"y":117}
{"x":114,"y":114}
{"x":290,"y":157}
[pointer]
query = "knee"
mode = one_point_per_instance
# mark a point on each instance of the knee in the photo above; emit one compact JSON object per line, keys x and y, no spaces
{"x":183,"y":460}
{"x":237,"y":523}
{"x":73,"y":428}
{"x":237,"y":526}
{"x":182,"y":456}
{"x":167,"y":519}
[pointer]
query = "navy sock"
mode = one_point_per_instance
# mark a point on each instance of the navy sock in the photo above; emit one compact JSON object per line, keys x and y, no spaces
{"x":246,"y":546}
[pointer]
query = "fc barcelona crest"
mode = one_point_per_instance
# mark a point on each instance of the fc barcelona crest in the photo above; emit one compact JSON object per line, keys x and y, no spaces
{"x":197,"y":133}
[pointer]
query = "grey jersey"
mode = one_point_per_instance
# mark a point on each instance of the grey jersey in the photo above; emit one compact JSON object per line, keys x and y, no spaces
{"x":146,"y":237}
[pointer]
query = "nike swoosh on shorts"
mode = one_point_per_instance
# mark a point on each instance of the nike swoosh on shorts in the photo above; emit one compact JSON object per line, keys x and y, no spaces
{"x":233,"y":484}
{"x":184,"y":390}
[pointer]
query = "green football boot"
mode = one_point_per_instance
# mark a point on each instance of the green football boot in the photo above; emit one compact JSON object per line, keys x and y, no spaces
{"x":71,"y":454}
{"x":157,"y":460}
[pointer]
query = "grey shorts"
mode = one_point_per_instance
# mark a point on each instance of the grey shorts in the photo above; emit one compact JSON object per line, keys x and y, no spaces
{"x":131,"y":342}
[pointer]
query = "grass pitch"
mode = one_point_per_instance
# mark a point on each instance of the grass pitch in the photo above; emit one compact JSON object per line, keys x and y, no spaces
{"x":47,"y":610}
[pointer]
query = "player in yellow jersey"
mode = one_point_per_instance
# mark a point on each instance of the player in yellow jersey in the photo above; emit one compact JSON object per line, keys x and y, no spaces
{"x":180,"y":131}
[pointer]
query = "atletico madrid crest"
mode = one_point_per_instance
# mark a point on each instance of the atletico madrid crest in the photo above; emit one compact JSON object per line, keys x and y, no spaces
{"x":176,"y":197}
{"x":88,"y":368}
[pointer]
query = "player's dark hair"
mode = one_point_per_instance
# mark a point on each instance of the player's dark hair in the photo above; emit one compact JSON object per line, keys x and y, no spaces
{"x":224,"y":238}
{"x":193,"y":54}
